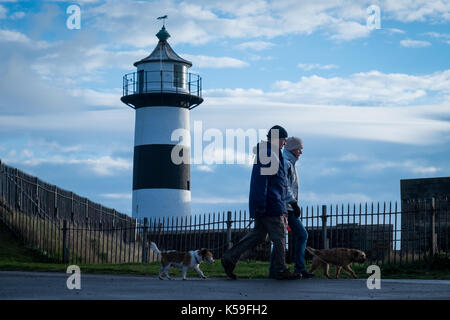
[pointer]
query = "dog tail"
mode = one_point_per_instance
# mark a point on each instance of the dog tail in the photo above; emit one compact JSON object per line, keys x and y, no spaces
{"x":311,"y":250}
{"x":155,"y":248}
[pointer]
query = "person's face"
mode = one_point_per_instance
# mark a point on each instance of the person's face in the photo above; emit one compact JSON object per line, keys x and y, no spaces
{"x":281,"y":142}
{"x":297,"y":152}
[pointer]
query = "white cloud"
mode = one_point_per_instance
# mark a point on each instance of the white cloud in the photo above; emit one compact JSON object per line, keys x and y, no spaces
{"x":406,"y":165}
{"x":313,"y":197}
{"x":437,"y":35}
{"x":351,"y":157}
{"x":213,"y":200}
{"x":101,"y":166}
{"x":370,"y":88}
{"x":17,"y":15}
{"x":126,"y":196}
{"x":312,"y":66}
{"x":3,"y":12}
{"x":256,"y":45}
{"x":350,"y":30}
{"x":201,"y":61}
{"x":394,"y":31}
{"x":13,"y":36}
{"x":416,"y":10}
{"x":204,"y":168}
{"x":414,"y":43}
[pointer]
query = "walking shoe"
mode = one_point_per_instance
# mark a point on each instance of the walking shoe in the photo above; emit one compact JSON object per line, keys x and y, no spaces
{"x":229,"y":266}
{"x":288,"y":275}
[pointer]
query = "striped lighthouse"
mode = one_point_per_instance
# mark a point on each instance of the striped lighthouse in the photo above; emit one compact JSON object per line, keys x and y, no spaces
{"x":162,"y":92}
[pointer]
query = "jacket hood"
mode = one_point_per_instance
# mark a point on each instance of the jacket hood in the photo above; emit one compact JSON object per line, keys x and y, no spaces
{"x":289,"y":156}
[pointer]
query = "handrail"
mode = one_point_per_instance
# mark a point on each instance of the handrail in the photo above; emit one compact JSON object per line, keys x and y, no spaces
{"x":153,"y":81}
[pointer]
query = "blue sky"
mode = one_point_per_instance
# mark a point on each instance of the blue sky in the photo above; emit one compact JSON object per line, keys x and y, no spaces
{"x":371,"y":105}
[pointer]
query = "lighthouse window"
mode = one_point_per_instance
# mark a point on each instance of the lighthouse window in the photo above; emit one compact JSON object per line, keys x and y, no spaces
{"x":177,"y":76}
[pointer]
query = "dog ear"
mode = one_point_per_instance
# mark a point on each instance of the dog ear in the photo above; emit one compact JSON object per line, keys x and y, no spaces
{"x":355,"y":253}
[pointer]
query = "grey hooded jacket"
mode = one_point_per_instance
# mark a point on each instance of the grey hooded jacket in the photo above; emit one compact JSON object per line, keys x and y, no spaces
{"x":291,"y":177}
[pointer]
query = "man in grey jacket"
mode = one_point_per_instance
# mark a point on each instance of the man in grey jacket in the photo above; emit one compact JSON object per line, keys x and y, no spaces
{"x":292,"y":151}
{"x":267,"y":206}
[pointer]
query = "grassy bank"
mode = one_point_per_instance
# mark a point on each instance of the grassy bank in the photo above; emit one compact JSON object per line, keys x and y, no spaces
{"x":14,"y":256}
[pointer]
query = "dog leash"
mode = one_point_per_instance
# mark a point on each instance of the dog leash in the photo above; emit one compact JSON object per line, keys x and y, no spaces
{"x":317,"y":256}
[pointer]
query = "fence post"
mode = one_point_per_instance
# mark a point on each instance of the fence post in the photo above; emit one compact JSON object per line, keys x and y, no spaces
{"x":16,"y":191}
{"x":65,"y":248}
{"x":433,"y":227}
{"x":56,"y":203}
{"x":229,"y":223}
{"x":144,"y":242}
{"x":324,"y":227}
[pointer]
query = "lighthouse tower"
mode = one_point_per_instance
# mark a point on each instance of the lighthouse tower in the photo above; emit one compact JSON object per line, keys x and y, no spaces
{"x":162,"y":92}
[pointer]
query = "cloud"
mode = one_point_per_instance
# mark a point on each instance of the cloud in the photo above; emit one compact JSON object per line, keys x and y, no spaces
{"x":214,"y":200}
{"x":204,"y":168}
{"x":437,"y":35}
{"x":351,"y":157}
{"x":367,"y":88}
{"x":406,"y":165}
{"x":313,"y":197}
{"x":100,"y":166}
{"x":17,"y":15}
{"x":126,"y":196}
{"x":350,"y":30}
{"x":202,"y":22}
{"x":201,"y":61}
{"x":255,"y":45}
{"x":3,"y":12}
{"x":414,"y":43}
{"x":413,"y":10}
{"x":394,"y":31}
{"x":312,"y":66}
{"x":13,"y":36}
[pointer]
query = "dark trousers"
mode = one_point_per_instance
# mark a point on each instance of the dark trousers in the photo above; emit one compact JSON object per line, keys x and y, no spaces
{"x":275,"y":227}
{"x":300,"y":236}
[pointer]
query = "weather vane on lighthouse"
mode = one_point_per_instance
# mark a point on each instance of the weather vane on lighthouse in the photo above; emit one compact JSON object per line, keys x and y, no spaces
{"x":162,"y":92}
{"x":163,"y":18}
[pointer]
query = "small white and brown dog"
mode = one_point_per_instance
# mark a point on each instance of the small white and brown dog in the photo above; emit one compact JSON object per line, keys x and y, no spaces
{"x":184,"y":260}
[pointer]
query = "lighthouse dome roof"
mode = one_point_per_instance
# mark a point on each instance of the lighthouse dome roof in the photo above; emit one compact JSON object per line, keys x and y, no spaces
{"x":163,"y":51}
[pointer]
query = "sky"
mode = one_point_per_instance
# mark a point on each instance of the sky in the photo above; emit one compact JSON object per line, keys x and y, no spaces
{"x":371,"y":103}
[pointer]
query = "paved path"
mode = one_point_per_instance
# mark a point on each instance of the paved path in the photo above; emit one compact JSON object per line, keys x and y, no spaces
{"x":48,"y":285}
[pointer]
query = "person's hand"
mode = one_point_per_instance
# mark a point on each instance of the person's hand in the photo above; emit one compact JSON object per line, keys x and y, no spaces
{"x":296,"y":209}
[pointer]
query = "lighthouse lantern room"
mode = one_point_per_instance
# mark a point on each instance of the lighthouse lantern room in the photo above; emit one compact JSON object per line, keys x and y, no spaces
{"x":162,"y":92}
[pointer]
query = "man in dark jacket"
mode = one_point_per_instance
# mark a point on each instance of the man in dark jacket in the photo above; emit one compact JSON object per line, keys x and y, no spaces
{"x":267,"y":206}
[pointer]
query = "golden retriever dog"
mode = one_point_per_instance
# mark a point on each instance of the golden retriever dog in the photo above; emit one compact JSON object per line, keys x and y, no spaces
{"x":339,"y":257}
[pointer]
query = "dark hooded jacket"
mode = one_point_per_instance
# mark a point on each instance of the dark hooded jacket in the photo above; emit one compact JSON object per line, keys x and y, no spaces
{"x":268,"y":185}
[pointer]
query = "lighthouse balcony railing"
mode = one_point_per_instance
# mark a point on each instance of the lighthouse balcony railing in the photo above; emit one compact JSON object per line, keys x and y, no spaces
{"x":162,"y":81}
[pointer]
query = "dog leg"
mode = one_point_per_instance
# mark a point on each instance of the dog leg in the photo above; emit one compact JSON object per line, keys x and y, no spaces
{"x":326,"y":268}
{"x":160,"y":275}
{"x":338,"y":270}
{"x":350,"y":271}
{"x":200,"y":273}
{"x":314,"y":265}
{"x":166,"y":271}
{"x":183,"y":273}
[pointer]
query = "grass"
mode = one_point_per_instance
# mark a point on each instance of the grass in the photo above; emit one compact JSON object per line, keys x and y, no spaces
{"x":14,"y":256}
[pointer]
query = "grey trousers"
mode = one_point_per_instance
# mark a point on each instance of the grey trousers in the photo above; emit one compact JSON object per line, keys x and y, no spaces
{"x":276,"y":228}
